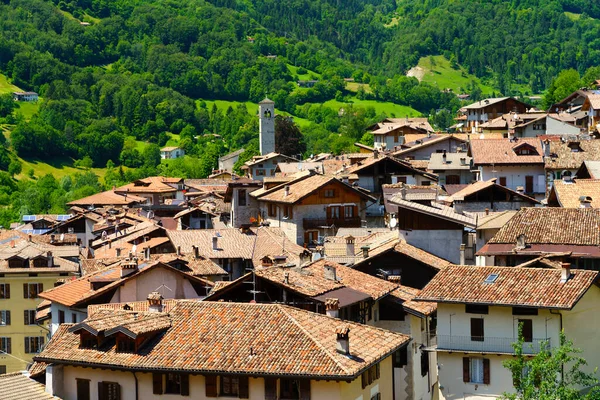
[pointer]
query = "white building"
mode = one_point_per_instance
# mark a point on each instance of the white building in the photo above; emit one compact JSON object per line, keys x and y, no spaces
{"x":480,"y":310}
{"x":25,"y":96}
{"x":168,"y":153}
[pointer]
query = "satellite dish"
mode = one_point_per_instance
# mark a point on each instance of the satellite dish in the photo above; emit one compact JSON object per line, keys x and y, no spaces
{"x":393,"y":222}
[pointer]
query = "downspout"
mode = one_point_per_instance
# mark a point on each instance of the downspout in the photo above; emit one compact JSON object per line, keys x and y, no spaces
{"x":562,"y":369}
{"x":136,"y":384}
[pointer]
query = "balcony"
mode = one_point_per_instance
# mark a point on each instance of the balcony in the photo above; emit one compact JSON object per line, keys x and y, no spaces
{"x":316,"y":223}
{"x":500,"y":345}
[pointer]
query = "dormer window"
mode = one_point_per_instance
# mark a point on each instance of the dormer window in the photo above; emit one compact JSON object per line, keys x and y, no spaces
{"x":18,"y":262}
{"x":525,"y":149}
{"x":40,"y":262}
{"x":575,"y":147}
{"x":125,"y":344}
{"x":87,"y":340}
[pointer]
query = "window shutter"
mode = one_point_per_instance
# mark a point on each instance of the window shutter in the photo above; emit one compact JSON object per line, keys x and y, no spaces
{"x":211,"y":385}
{"x":355,"y":211}
{"x":40,"y":288}
{"x":377,"y":370}
{"x":7,"y":317}
{"x":26,"y":317}
{"x":25,"y":291}
{"x":101,"y":391}
{"x":270,"y":389}
{"x":486,"y":371}
{"x":185,"y":384}
{"x":328,"y":213}
{"x":27,"y":345}
{"x":466,"y":374}
{"x":305,"y":389}
{"x":8,"y":345}
{"x":244,"y":390}
{"x":157,"y":383}
{"x":7,"y":290}
{"x":363,"y":380}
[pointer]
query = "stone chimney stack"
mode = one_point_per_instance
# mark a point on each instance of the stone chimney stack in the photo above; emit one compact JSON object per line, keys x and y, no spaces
{"x":329,"y":272}
{"x":286,"y":190}
{"x":178,"y":251}
{"x":585,"y":202}
{"x":343,"y":339}
{"x":565,"y":272}
{"x":155,"y":302}
{"x":128,"y":267}
{"x":350,"y":245}
{"x":50,"y":258}
{"x":215,"y":242}
{"x":196,"y":251}
{"x":365,"y":251}
{"x":332,"y":307}
{"x":463,"y":247}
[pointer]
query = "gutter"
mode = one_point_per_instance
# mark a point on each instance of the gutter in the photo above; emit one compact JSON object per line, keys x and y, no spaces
{"x":562,"y":367}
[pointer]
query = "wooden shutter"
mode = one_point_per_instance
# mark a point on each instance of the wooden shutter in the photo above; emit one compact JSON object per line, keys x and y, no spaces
{"x":305,"y":389}
{"x":27,"y":345}
{"x":211,"y":385}
{"x":328,"y":212}
{"x":185,"y":384}
{"x":529,"y":184}
{"x":486,"y":371}
{"x":101,"y":391}
{"x":377,"y":370}
{"x":40,"y":288}
{"x":243,"y":388}
{"x":270,"y":389}
{"x":25,"y":291}
{"x":157,"y":383}
{"x":466,"y":372}
{"x":26,"y":317}
{"x":7,"y":290}
{"x":7,"y":315}
{"x":502,"y":181}
{"x":363,"y":380}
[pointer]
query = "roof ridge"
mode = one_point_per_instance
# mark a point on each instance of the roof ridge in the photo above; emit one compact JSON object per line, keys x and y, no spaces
{"x":284,"y":310}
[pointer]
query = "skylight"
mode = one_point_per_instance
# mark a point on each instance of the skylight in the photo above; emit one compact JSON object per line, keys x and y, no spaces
{"x":491,"y":278}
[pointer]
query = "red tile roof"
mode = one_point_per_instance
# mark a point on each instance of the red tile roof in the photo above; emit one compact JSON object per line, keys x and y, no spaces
{"x":503,"y":151}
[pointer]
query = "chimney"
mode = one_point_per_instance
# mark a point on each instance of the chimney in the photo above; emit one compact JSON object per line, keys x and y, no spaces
{"x":520,"y":189}
{"x":343,"y":340}
{"x":350,"y":246}
{"x":463,"y":161}
{"x":109,"y":243}
{"x":395,"y":279}
{"x":196,"y":252}
{"x":286,"y":278}
{"x":462,"y":253}
{"x":147,"y":253}
{"x":403,"y":192}
{"x":375,"y":154}
{"x":329,"y":272}
{"x":286,"y":190}
{"x":155,"y":302}
{"x":585,"y":202}
{"x":215,"y":242}
{"x":118,"y":250}
{"x":565,"y":272}
{"x":178,"y":251}
{"x":51,"y":238}
{"x":128,"y":267}
{"x":332,"y":307}
{"x":50,"y":258}
{"x":521,"y":242}
{"x":12,"y":244}
{"x":365,"y":251}
{"x":444,"y":158}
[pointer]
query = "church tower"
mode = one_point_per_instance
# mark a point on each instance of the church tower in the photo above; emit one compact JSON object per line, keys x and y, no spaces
{"x":266,"y":115}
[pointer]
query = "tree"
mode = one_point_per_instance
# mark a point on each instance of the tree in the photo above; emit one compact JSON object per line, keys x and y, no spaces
{"x":553,"y":373}
{"x":7,"y":105}
{"x":151,"y":155}
{"x":563,"y":85}
{"x":14,"y":168}
{"x":288,"y":137}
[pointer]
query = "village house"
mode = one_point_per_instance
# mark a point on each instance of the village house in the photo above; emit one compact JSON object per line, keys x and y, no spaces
{"x":227,"y":161}
{"x":25,"y":96}
{"x":576,"y":193}
{"x":451,"y":168}
{"x":27,"y":267}
{"x":564,"y":158}
{"x":589,"y":170}
{"x":244,"y":208}
{"x":591,"y":105}
{"x":516,"y":163}
{"x":487,"y":226}
{"x":109,"y":198}
{"x":172,"y":152}
{"x":390,"y":133}
{"x":157,"y":190}
{"x":481,"y":309}
{"x":546,"y":125}
{"x":422,"y":149}
{"x":341,"y":292}
{"x":488,"y":109}
{"x":312,"y":206}
{"x":263,"y":166}
{"x":534,"y":232}
{"x":195,"y":218}
{"x":213,"y":349}
{"x":128,"y":280}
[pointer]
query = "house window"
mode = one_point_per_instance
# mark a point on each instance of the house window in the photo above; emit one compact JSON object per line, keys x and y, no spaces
{"x":476,"y":309}
{"x":401,"y":357}
{"x":88,"y":341}
{"x":348,"y":211}
{"x":329,"y":193}
{"x":334,"y":212}
{"x":502,"y":181}
{"x":109,"y":391}
{"x":401,"y":179}
{"x":5,"y":345}
{"x":527,"y":329}
{"x":83,"y":389}
{"x":424,"y":363}
{"x":289,"y":389}
{"x":40,"y":262}
{"x":272,"y":210}
{"x":311,"y":237}
{"x":174,"y":384}
{"x":529,"y":184}
{"x":426,"y":183}
{"x":5,"y":317}
{"x":288,"y":212}
{"x":2,"y":369}
{"x":242,"y":197}
{"x":61,"y":317}
{"x":452,"y":179}
{"x":476,"y":370}
{"x":34,"y":344}
{"x":260,"y":172}
{"x":29,"y":317}
{"x":477,"y":329}
{"x":32,"y":290}
{"x":4,"y":290}
{"x":17,"y":263}
{"x":233,"y":385}
{"x":125,"y":345}
{"x":74,"y":318}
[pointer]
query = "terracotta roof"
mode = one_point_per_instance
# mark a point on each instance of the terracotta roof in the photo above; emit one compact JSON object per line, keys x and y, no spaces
{"x":528,"y":287}
{"x":152,"y":184}
{"x":14,"y":244}
{"x":368,"y":162}
{"x":307,"y":282}
{"x":400,"y":246}
{"x":567,"y":194}
{"x":503,"y":151}
{"x":594,"y":100}
{"x":110,"y":197}
{"x":479,"y":186}
{"x":485,"y":103}
{"x":451,"y":161}
{"x":391,"y":124}
{"x":438,"y":210}
{"x":260,"y":159}
{"x":425,"y":142}
{"x":405,"y":295}
{"x":133,"y":323}
{"x":37,"y":369}
{"x":43,"y":310}
{"x":564,"y":226}
{"x":218,"y":337}
{"x":79,"y":291}
{"x":16,"y":386}
{"x":138,"y":306}
{"x":495,"y":220}
{"x":593,"y":168}
{"x":563,"y":156}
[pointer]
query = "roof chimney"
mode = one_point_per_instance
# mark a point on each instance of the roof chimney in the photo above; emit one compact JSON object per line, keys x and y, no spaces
{"x":521,"y":242}
{"x":403,"y":192}
{"x":520,"y":189}
{"x":487,"y":211}
{"x":350,"y":246}
{"x":585,"y":202}
{"x":365,"y":251}
{"x":463,"y":161}
{"x":343,"y":339}
{"x":332,"y":307}
{"x":50,"y":259}
{"x":215,"y":242}
{"x":565,"y":272}
{"x":147,"y":253}
{"x":329,"y":272}
{"x":118,"y":250}
{"x":375,"y":154}
{"x":286,"y":278}
{"x":128,"y":267}
{"x":444,"y":158}
{"x":52,"y":238}
{"x":155,"y":302}
{"x":12,"y":243}
{"x":286,"y":190}
{"x":395,"y":279}
{"x":196,"y":252}
{"x":178,"y":251}
{"x":462,"y":249}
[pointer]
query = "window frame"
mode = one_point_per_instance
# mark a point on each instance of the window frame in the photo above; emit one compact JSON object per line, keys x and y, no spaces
{"x":32,"y":290}
{"x":233,"y":381}
{"x":476,"y":325}
{"x":4,"y":290}
{"x":83,"y":393}
{"x":5,"y":344}
{"x":4,"y":317}
{"x":34,"y":344}
{"x":29,"y":317}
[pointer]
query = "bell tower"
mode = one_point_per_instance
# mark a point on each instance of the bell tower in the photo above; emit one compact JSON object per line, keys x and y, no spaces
{"x":266,"y":115}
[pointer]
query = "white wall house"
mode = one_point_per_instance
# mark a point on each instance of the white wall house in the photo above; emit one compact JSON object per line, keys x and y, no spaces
{"x":168,"y":153}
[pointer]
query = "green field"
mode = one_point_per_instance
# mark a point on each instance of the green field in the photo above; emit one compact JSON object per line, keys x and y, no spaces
{"x":354,"y":86}
{"x":303,"y":77}
{"x":58,"y":167}
{"x":7,"y":87}
{"x":389,"y":109}
{"x":441,"y":74}
{"x":27,"y":109}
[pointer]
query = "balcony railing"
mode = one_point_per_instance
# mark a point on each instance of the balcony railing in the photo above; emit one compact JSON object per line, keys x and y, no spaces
{"x":315,"y":223}
{"x":487,"y":344}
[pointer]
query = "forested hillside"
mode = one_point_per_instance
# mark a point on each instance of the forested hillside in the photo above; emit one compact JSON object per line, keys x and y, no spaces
{"x":120,"y":78}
